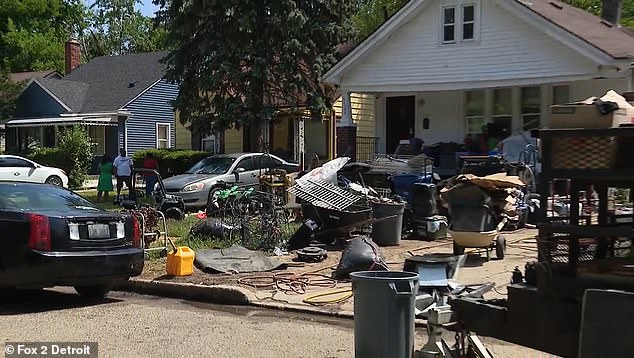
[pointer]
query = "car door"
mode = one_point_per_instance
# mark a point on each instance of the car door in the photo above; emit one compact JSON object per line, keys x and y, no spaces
{"x":16,"y":169}
{"x":250,"y":174}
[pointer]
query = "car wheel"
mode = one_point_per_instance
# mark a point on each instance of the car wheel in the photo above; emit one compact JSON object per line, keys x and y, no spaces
{"x":54,"y":180}
{"x":94,"y":291}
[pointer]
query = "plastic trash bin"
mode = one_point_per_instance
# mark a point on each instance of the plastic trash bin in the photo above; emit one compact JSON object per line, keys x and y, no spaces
{"x":384,"y":313}
{"x":387,"y":232}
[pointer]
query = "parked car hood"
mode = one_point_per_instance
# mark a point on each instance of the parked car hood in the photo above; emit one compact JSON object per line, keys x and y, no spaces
{"x":180,"y":181}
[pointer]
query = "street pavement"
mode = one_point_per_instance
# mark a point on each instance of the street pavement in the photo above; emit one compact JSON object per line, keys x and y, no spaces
{"x":131,"y":325}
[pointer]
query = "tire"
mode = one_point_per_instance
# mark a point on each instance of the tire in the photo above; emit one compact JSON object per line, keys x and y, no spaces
{"x":209,"y":208}
{"x":500,"y":247}
{"x":54,"y":180}
{"x":174,"y":213}
{"x":94,"y":291}
{"x":457,"y":249}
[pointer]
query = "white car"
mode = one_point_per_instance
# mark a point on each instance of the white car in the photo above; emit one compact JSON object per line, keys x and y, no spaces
{"x":21,"y":169}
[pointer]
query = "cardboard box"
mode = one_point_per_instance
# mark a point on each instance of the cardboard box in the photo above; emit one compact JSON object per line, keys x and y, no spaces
{"x":585,"y":114}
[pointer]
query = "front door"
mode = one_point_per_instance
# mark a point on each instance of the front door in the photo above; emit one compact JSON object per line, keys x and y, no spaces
{"x":399,"y":120}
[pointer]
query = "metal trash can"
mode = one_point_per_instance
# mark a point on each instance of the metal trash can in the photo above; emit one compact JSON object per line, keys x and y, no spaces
{"x":387,"y":232}
{"x":384,"y":313}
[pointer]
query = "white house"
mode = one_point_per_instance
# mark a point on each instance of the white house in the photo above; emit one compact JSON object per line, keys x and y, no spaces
{"x":446,"y":67}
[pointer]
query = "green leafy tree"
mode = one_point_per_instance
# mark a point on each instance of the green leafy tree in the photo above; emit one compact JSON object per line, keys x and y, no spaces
{"x":237,"y":60}
{"x":75,"y":145}
{"x":370,"y":14}
{"x":33,"y":32}
{"x":117,"y":28}
{"x":9,"y":91}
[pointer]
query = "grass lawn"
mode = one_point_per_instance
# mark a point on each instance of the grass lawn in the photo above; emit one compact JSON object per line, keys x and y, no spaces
{"x":178,"y":231}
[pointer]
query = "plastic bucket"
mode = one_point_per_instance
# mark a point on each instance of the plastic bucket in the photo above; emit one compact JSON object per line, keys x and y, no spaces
{"x":384,"y":313}
{"x":387,"y":232}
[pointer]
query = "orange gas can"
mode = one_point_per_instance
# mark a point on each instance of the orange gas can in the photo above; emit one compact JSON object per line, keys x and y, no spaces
{"x":180,"y":261}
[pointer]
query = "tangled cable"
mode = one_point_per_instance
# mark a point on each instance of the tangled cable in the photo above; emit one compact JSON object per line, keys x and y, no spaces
{"x":289,"y":282}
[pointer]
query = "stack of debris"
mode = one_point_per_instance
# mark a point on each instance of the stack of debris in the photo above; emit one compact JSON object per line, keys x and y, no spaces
{"x":499,"y":192}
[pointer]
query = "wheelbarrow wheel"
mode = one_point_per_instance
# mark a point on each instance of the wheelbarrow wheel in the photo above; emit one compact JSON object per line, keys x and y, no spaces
{"x":500,"y":247}
{"x":457,"y":249}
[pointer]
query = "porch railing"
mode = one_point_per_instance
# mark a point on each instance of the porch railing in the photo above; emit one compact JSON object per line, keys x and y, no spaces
{"x":367,"y":147}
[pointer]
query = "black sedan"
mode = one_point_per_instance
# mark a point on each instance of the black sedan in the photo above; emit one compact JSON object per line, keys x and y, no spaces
{"x":53,"y":237}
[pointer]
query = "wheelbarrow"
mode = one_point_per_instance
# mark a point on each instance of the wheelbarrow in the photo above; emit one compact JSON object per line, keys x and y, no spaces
{"x":480,"y":234}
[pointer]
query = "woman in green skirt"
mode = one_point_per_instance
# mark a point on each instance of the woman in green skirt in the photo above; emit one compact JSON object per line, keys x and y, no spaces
{"x":104,"y":186}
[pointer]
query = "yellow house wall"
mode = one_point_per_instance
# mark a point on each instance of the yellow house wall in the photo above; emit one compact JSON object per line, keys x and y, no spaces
{"x":182,"y":134}
{"x":362,"y":112}
{"x":233,"y":141}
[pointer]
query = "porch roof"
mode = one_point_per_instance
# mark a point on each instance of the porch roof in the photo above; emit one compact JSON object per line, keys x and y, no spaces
{"x":53,"y":121}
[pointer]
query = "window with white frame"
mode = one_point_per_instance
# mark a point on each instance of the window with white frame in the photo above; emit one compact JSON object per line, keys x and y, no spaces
{"x":531,"y":107}
{"x":162,"y":135}
{"x":97,"y":136}
{"x":468,"y":22}
{"x":459,"y":21}
{"x":449,"y":24}
{"x":475,"y":111}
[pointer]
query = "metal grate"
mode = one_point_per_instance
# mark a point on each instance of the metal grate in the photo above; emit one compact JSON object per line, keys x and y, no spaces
{"x":583,"y":152}
{"x":324,"y":194}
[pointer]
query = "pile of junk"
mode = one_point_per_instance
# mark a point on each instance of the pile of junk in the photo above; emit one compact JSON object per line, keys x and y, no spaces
{"x":337,"y":204}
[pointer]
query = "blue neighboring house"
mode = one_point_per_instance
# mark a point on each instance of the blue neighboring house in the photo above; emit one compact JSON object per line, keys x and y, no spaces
{"x":123,"y":102}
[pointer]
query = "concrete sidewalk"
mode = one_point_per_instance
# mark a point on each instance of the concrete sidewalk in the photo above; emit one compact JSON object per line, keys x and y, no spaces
{"x":260,"y":289}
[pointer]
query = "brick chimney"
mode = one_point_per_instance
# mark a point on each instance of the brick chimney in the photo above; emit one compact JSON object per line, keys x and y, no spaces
{"x":72,"y":53}
{"x":611,"y":11}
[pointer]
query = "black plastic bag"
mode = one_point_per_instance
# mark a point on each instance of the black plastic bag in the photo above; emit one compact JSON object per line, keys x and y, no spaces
{"x":361,"y":254}
{"x":210,"y":228}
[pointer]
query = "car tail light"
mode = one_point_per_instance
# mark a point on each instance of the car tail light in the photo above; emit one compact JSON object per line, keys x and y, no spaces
{"x":136,"y":232}
{"x":40,"y":236}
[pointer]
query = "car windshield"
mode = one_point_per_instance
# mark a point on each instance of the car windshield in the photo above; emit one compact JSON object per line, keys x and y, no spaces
{"x":36,"y":197}
{"x":212,"y":165}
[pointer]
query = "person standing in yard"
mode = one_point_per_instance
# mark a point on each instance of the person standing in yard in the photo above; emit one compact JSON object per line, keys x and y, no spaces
{"x":104,"y":186}
{"x":123,"y":171}
{"x":150,"y":162}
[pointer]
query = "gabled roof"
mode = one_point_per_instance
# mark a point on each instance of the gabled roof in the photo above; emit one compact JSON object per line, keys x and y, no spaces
{"x":616,"y":41}
{"x":573,"y":26}
{"x":70,"y":93}
{"x":115,"y":80}
{"x":107,"y":83}
{"x":26,"y":76}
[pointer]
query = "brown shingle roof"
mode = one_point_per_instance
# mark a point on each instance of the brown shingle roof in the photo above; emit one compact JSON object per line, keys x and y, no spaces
{"x":25,"y":76}
{"x":615,"y":41}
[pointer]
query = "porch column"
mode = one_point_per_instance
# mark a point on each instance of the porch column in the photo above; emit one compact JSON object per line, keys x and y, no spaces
{"x":346,"y":130}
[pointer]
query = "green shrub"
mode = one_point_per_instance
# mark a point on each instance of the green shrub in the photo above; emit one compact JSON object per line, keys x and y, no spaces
{"x":73,"y":155}
{"x":52,"y":157}
{"x":171,"y":161}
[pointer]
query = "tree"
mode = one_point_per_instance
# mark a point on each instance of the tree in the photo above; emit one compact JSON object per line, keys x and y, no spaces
{"x":117,"y":28}
{"x":236,"y":60}
{"x":370,"y":14}
{"x":9,"y":91}
{"x":32,"y":32}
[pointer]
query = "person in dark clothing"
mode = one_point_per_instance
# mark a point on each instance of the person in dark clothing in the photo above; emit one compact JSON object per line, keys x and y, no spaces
{"x":415,"y":144}
{"x":150,"y":162}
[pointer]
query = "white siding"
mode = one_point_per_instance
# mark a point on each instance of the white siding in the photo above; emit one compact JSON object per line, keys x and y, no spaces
{"x":596,"y":88}
{"x":509,"y":49}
